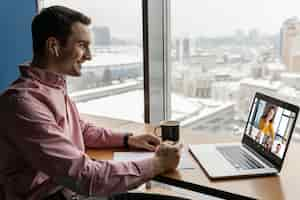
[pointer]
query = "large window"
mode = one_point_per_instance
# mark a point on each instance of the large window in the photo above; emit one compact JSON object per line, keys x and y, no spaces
{"x":206,"y":59}
{"x":222,"y":52}
{"x":112,"y":82}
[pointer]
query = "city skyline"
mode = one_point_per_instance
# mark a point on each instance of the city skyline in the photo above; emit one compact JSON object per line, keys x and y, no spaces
{"x":217,"y":77}
{"x":266,"y":16}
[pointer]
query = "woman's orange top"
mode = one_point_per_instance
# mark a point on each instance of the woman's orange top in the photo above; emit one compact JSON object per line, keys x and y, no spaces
{"x":266,"y":128}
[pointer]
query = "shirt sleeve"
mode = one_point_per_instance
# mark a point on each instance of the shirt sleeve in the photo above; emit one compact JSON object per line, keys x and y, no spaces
{"x":41,"y":142}
{"x":96,"y":137}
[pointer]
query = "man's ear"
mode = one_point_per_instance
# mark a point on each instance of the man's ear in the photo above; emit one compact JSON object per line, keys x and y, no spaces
{"x":52,"y":46}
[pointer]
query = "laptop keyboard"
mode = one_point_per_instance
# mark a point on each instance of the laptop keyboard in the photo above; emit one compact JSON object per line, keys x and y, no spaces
{"x":239,"y":158}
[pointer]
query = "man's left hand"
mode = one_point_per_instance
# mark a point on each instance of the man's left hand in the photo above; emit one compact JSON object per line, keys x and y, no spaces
{"x":145,"y":141}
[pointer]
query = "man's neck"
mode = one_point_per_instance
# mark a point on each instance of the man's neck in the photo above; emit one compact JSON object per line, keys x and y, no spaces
{"x":39,"y":63}
{"x":42,"y":64}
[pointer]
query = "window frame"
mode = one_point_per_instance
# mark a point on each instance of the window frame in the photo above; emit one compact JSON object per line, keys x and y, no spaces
{"x":157,"y":72}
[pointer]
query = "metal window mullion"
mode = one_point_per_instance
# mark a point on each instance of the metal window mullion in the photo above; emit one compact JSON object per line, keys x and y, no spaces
{"x":155,"y":60}
{"x":146,"y":61}
{"x":166,"y":57}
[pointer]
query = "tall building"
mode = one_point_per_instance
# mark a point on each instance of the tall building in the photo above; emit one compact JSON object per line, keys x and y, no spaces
{"x":290,"y":44}
{"x":186,"y":49}
{"x":253,"y":36}
{"x":177,"y":49}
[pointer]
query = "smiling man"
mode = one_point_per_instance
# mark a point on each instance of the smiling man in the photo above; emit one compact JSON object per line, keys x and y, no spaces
{"x":42,"y":136}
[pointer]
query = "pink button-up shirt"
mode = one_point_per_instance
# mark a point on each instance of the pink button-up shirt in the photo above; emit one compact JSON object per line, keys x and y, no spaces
{"x":43,"y":139}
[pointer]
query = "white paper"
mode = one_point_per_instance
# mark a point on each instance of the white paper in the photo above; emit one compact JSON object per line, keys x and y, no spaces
{"x":184,"y":163}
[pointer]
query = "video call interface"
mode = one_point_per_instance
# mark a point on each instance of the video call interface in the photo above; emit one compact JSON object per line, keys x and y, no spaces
{"x":270,"y":126}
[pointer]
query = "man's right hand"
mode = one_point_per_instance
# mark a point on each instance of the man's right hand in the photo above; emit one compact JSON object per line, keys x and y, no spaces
{"x":166,"y":158}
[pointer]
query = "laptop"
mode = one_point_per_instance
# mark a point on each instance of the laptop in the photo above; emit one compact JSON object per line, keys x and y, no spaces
{"x":264,"y":145}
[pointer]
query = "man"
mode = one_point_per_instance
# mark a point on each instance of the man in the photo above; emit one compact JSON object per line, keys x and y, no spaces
{"x":277,"y":149}
{"x":42,"y":136}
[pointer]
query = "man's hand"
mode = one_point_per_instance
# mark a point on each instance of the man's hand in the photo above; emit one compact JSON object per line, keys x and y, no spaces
{"x":145,"y":141}
{"x":166,"y":158}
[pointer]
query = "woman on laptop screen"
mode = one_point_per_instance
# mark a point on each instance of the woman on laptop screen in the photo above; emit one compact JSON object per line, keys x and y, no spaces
{"x":271,"y":126}
{"x":266,"y":129}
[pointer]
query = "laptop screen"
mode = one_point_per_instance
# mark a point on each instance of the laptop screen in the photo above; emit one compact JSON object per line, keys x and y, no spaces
{"x":269,"y":128}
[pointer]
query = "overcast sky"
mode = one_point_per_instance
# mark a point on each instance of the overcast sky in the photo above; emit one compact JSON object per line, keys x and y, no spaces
{"x":190,"y":17}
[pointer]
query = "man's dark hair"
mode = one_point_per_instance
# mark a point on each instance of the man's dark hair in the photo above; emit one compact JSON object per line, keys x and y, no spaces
{"x":54,"y":21}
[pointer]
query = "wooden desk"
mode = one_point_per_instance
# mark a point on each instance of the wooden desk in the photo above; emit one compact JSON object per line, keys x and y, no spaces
{"x":280,"y":187}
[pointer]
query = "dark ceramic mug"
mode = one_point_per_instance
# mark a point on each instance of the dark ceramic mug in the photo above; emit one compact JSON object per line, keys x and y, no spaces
{"x":169,"y":130}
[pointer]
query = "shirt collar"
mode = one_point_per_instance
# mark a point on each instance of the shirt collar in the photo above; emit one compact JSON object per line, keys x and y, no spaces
{"x":51,"y":79}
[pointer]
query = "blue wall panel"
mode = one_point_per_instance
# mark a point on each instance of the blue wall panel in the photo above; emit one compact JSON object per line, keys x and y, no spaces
{"x":15,"y":37}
